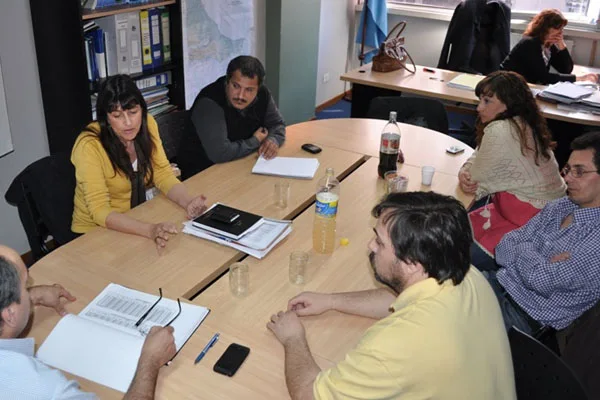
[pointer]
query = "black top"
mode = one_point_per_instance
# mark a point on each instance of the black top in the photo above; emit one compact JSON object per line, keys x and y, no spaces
{"x":222,"y":132}
{"x":526,"y":59}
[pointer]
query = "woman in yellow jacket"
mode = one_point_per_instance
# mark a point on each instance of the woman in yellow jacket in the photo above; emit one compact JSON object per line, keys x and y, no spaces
{"x":116,"y":158}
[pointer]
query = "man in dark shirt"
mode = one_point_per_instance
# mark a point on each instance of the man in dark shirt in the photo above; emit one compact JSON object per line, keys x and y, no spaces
{"x":232,"y":117}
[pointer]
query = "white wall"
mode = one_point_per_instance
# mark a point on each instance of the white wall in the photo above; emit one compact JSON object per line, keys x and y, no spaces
{"x":335,"y":34}
{"x":25,"y":111}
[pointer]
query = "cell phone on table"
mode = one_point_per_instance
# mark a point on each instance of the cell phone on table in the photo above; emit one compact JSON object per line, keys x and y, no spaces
{"x":232,"y":359}
{"x":455,"y":149}
{"x":224,"y":215}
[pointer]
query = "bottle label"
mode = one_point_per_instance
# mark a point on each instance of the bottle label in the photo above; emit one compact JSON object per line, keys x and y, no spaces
{"x":327,"y":204}
{"x":390,"y":143}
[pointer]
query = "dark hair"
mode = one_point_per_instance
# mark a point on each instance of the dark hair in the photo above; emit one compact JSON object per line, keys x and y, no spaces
{"x":512,"y":90}
{"x":249,"y":67}
{"x":590,"y":140}
{"x":10,"y":286}
{"x":430,"y":229}
{"x":543,"y":22}
{"x":121,"y":90}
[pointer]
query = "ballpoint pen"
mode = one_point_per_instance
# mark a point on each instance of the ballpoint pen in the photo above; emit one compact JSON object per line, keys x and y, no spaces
{"x":210,"y":344}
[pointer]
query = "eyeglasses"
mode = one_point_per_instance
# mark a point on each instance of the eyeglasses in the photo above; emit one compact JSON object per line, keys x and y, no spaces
{"x":147,"y":313}
{"x":576,"y":172}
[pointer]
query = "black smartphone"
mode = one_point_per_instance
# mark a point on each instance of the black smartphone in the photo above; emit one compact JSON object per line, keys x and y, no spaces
{"x":455,"y":149}
{"x":224,"y":215}
{"x":311,"y":148}
{"x":232,"y":359}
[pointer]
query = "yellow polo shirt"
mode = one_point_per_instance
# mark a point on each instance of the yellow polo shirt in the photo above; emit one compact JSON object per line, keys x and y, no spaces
{"x":99,"y":189}
{"x":441,"y":342}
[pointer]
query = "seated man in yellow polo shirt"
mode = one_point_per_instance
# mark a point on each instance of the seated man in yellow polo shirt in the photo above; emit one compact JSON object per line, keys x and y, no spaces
{"x":439,"y":333}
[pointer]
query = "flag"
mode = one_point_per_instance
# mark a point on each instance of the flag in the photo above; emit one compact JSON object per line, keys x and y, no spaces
{"x":377,"y":30}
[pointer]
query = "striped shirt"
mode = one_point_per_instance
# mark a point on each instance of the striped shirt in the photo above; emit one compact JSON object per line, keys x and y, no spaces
{"x":553,"y":293}
{"x":23,"y":377}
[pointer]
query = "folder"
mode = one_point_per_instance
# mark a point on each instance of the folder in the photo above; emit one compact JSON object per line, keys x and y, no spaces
{"x":100,"y":57}
{"x":146,"y":41}
{"x":134,"y":43}
{"x":165,"y":23}
{"x":116,"y":28}
{"x":155,"y":39}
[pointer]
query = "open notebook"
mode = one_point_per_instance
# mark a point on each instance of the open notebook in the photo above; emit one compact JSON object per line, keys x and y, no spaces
{"x":103,"y":345}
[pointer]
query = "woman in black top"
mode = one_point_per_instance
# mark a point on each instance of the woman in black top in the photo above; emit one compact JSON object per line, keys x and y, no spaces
{"x":543,"y":46}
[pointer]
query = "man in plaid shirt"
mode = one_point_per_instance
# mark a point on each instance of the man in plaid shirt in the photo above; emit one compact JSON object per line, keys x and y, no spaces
{"x":549,"y":269}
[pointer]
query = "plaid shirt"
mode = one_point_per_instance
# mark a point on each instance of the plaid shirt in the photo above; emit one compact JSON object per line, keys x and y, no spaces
{"x":553,"y":293}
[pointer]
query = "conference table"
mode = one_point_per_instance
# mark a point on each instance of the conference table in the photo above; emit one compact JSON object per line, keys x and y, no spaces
{"x":196,"y":270}
{"x":367,"y":84}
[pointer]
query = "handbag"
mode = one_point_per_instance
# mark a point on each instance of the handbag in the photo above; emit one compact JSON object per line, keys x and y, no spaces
{"x":392,"y":54}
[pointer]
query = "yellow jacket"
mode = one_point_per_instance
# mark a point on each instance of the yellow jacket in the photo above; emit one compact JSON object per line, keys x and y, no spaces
{"x":99,"y":189}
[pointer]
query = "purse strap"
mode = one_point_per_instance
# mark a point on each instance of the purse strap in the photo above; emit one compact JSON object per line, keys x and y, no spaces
{"x":400,"y":25}
{"x":414,"y":67}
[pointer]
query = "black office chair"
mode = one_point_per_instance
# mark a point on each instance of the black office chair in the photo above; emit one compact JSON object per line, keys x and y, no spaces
{"x":43,"y":194}
{"x":171,"y":127}
{"x":539,"y":373}
{"x":428,"y":113}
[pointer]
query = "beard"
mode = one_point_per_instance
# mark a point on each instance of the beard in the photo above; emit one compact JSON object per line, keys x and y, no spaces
{"x":395,"y":284}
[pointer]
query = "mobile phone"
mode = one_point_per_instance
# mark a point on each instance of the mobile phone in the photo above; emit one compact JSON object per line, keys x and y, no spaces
{"x":311,"y":148}
{"x":232,"y":359}
{"x":455,"y":149}
{"x":224,"y":215}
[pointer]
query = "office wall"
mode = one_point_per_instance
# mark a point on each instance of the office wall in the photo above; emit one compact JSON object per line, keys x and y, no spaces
{"x":25,"y":111}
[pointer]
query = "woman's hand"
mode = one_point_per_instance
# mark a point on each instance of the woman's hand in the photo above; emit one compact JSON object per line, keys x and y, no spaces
{"x":160,"y":234}
{"x":465,"y":182}
{"x":196,"y":206}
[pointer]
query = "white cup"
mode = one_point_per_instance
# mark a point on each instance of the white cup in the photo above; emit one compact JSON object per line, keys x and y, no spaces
{"x":427,"y":175}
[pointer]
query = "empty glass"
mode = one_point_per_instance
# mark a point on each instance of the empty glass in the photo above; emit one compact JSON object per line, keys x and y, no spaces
{"x":239,"y":279}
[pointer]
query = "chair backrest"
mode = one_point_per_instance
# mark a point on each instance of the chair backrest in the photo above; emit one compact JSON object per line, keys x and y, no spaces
{"x":171,"y":128}
{"x":43,"y":193}
{"x":539,"y":373}
{"x":428,"y":113}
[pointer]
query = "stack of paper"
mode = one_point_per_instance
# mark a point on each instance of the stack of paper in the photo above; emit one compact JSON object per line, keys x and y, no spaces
{"x":291,"y":167}
{"x":465,"y":81}
{"x":103,"y":344}
{"x":565,"y":92}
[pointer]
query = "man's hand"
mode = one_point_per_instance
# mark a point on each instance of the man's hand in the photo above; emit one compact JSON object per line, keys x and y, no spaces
{"x":261,"y":134}
{"x":196,"y":207}
{"x":286,"y":326}
{"x":51,"y":296}
{"x":560,"y":257}
{"x":310,"y":303}
{"x":268,"y":149}
{"x":159,"y":347}
{"x":588,"y":77}
{"x":160,"y":233}
{"x":466,"y":183}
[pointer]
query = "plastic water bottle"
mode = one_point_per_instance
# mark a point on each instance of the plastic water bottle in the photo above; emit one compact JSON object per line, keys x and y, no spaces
{"x":328,"y":196}
{"x":389,"y":149}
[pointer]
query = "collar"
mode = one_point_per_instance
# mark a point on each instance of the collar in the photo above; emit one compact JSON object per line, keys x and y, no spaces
{"x":417,"y":292}
{"x":588,"y":215}
{"x":23,"y":346}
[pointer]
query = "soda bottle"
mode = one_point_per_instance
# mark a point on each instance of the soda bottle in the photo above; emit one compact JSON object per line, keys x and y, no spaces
{"x":328,"y":195}
{"x":389,"y":149}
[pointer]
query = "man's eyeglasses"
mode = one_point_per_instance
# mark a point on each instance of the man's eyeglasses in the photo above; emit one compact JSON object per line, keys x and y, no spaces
{"x":576,"y":172}
{"x":143,"y":317}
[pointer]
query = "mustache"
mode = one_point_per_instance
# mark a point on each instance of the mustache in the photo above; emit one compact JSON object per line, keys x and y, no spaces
{"x":239,"y":100}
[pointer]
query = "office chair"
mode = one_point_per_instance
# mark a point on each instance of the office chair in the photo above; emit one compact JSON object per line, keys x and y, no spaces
{"x":539,"y":373}
{"x":43,"y":194}
{"x":171,"y":128}
{"x":428,"y":113}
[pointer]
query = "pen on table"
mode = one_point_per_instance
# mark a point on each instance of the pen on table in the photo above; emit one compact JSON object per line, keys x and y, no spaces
{"x":210,"y":344}
{"x":429,"y":70}
{"x":436,"y":79}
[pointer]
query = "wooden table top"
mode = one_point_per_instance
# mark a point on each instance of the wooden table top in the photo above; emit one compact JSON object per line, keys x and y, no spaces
{"x":86,"y":265}
{"x":436,"y":85}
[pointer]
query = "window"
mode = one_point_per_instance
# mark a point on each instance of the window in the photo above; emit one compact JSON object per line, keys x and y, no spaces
{"x":577,"y":11}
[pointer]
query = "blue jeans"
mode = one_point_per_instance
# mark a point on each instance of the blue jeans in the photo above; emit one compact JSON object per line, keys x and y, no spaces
{"x":512,"y":314}
{"x":482,"y":260}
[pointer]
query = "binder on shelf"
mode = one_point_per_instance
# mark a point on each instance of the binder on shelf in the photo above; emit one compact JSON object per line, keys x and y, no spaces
{"x":98,"y":40}
{"x":155,"y":39}
{"x":116,"y":28}
{"x":134,"y":43}
{"x":165,"y":23}
{"x":161,"y":79}
{"x":145,"y":40}
{"x":88,"y":60}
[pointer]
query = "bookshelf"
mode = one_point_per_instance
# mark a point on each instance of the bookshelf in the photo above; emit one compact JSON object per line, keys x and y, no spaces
{"x":62,"y":66}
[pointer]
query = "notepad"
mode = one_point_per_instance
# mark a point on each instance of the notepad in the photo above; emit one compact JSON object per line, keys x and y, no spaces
{"x":291,"y":167}
{"x":246,"y":222}
{"x":102,"y":343}
{"x":569,"y":90}
{"x":465,"y":81}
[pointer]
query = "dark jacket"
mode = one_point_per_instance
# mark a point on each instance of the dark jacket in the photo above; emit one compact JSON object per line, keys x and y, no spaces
{"x":478,"y":37}
{"x":526,"y":59}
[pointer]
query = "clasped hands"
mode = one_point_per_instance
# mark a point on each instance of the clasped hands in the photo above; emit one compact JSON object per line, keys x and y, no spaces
{"x":466,"y":183}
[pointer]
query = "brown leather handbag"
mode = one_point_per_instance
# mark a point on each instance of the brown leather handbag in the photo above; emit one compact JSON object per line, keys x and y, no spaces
{"x":392,"y":54}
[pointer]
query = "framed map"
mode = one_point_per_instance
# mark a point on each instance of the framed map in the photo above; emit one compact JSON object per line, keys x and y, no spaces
{"x":6,"y":145}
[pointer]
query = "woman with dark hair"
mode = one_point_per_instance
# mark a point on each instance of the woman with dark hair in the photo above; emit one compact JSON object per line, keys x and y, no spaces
{"x":543,"y":46}
{"x":116,"y":159}
{"x":513,"y":162}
